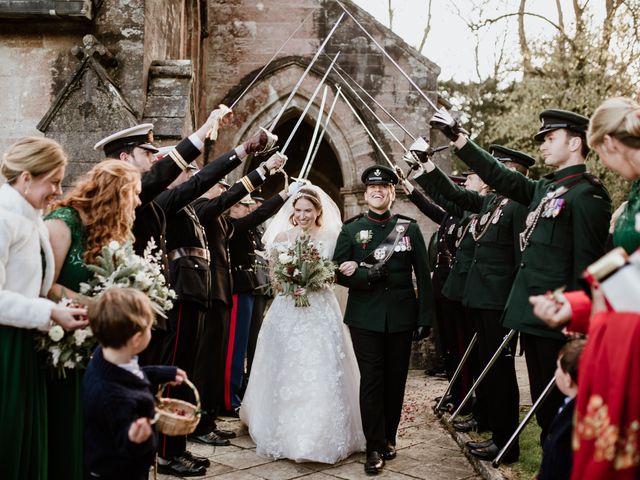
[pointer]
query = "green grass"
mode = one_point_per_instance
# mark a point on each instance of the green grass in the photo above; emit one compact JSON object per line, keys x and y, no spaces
{"x":530,"y":449}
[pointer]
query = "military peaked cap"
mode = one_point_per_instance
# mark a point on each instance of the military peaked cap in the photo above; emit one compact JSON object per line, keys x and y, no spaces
{"x":504,"y":154}
{"x":379,"y":174}
{"x":138,"y":136}
{"x":554,"y":119}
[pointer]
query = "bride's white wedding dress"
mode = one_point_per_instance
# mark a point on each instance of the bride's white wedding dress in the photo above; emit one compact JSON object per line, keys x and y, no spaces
{"x":302,"y":400}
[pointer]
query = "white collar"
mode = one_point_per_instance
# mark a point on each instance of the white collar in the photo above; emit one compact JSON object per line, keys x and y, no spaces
{"x":12,"y":200}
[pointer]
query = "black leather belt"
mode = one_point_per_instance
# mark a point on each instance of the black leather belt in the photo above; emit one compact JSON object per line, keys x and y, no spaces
{"x":189,"y":252}
{"x":444,"y":256}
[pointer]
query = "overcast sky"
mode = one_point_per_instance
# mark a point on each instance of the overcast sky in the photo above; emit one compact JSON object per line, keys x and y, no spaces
{"x":450,"y":43}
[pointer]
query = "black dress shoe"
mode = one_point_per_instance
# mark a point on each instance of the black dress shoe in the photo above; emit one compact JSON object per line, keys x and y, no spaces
{"x":210,"y":439}
{"x":197,"y":460}
{"x":224,"y":433}
{"x":389,"y":452}
{"x":179,"y":467}
{"x":491,"y":452}
{"x":470,"y":425}
{"x":476,"y":445}
{"x":374,"y":463}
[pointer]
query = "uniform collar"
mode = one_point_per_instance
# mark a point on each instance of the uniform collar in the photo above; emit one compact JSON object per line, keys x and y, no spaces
{"x":563,"y":173}
{"x":379,"y":217}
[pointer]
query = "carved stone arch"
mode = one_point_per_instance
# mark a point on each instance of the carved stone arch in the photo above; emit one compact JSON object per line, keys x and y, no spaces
{"x":264,"y":100}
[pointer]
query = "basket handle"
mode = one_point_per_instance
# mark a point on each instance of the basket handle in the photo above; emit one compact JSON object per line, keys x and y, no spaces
{"x":188,"y":383}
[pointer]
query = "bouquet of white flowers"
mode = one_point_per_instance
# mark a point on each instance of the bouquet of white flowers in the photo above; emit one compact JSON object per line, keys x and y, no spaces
{"x":119,"y":266}
{"x":66,"y":349}
{"x":299,"y":268}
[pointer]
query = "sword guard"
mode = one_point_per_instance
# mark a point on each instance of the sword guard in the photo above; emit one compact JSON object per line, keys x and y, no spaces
{"x":271,"y":141}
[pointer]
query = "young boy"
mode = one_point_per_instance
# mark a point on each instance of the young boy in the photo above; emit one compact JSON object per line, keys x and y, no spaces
{"x":117,"y":395}
{"x":556,"y":452}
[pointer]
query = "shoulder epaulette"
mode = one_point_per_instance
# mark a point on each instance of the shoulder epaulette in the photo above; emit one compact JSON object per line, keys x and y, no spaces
{"x":353,"y":219}
{"x":405,"y":217}
{"x":595,"y":181}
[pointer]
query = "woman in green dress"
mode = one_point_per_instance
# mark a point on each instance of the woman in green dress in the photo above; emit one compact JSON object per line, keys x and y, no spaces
{"x":100,"y":208}
{"x":33,"y":169}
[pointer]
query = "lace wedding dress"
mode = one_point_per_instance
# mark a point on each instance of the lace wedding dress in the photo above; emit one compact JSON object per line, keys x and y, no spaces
{"x":302,"y":400}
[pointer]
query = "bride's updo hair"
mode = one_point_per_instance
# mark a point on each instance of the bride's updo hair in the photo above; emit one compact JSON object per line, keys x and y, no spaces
{"x":310,"y":195}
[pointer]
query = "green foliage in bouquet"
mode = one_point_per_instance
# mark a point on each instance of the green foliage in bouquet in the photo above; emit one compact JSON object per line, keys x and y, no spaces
{"x":119,"y":266}
{"x":299,"y":268}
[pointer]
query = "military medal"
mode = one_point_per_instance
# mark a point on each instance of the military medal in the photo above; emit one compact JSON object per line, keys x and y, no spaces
{"x":380,"y":253}
{"x":496,"y":217}
{"x":484,"y":219}
{"x":399,"y":228}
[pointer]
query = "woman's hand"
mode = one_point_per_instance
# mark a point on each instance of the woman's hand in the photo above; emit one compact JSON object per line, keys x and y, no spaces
{"x":140,"y":430}
{"x":348,"y":268}
{"x":70,"y":318}
{"x":555,"y":311}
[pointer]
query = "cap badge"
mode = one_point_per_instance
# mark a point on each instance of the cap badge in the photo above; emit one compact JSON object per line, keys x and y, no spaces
{"x":377,"y":172}
{"x":380,"y":253}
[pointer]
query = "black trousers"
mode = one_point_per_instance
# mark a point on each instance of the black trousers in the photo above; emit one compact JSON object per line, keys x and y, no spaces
{"x":541,"y":354}
{"x":500,"y":384}
{"x":383,"y":359}
{"x":185,"y":324}
{"x":208,"y":373}
{"x":257,"y":315}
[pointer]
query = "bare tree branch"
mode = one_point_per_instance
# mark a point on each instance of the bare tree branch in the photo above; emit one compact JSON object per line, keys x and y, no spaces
{"x":491,"y":21}
{"x":427,"y":28}
{"x":524,"y":45}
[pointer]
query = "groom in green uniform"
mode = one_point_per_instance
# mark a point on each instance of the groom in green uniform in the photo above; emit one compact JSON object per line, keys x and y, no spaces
{"x":377,"y":253}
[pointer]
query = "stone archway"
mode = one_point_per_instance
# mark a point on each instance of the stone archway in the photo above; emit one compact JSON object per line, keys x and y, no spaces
{"x":345,"y":139}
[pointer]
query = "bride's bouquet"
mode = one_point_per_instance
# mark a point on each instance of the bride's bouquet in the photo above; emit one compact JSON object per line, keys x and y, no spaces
{"x":299,"y":268}
{"x":119,"y":266}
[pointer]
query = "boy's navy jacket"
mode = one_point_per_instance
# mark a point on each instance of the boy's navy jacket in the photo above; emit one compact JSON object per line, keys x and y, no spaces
{"x":112,"y":399}
{"x":556,"y":452}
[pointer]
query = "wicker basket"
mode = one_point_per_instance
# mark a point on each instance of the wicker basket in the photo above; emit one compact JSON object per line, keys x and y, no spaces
{"x":171,"y":423}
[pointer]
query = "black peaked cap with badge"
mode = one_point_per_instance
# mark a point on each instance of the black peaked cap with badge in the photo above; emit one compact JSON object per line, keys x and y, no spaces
{"x":504,"y":154}
{"x":379,"y":175}
{"x":555,"y":119}
{"x":139,"y":136}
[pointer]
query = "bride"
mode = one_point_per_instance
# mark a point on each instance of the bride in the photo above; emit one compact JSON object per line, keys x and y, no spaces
{"x":302,"y":401}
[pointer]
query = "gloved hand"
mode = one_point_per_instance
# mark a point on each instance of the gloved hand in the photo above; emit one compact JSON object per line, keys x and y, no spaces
{"x":377,"y":273}
{"x":420,"y":149}
{"x":294,"y":187}
{"x":411,"y":160}
{"x":407,"y":186}
{"x":275,"y":162}
{"x":259,"y":142}
{"x":449,"y":126}
{"x":421,"y":333}
{"x":218,"y":118}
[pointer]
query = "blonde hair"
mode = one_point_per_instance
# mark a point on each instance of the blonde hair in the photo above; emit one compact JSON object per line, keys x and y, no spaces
{"x":312,"y":196}
{"x":105,"y":196}
{"x":618,"y":117}
{"x":117,"y":314}
{"x":36,"y":155}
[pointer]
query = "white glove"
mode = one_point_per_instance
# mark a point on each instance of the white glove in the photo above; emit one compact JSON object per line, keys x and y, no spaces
{"x":215,"y":119}
{"x":275,"y":162}
{"x":294,"y":187}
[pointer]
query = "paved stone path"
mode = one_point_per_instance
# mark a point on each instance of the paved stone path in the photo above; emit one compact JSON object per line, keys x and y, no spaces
{"x":425,"y":449}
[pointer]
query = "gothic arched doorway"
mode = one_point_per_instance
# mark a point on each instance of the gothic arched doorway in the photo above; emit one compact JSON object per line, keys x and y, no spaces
{"x":325,"y":171}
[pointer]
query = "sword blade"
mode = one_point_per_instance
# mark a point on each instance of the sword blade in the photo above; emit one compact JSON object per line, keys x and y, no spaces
{"x":372,"y":112}
{"x":386,"y":54}
{"x":315,"y":132}
{"x":272,"y":59}
{"x":373,"y":99}
{"x":353,"y":110}
{"x":324,"y":128}
{"x":297,"y":85}
{"x":306,"y":109}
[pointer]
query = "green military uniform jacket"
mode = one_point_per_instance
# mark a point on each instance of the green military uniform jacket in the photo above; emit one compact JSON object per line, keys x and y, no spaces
{"x":391,"y":304}
{"x":561,"y":241}
{"x":454,"y":286}
{"x":495,"y":241}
